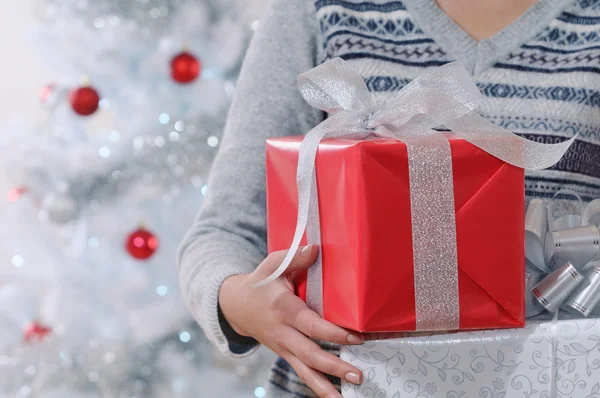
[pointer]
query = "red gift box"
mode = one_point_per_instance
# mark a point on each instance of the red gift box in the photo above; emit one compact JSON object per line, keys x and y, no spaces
{"x":365,"y":215}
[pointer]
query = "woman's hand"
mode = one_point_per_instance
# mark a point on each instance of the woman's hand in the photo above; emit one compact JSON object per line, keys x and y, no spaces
{"x":274,"y":316}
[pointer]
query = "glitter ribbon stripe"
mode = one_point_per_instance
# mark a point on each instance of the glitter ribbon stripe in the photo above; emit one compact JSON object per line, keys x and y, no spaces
{"x":443,"y":96}
{"x":434,"y":244}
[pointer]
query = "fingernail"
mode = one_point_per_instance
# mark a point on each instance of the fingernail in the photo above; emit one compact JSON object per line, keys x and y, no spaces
{"x":354,"y":340}
{"x":306,"y":250}
{"x":352,"y":378}
{"x":334,"y":396}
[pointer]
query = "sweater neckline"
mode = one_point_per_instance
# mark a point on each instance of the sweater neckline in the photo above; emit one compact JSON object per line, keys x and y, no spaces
{"x":478,"y":56}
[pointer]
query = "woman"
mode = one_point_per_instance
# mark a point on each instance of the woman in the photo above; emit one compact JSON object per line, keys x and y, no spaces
{"x":537,"y":63}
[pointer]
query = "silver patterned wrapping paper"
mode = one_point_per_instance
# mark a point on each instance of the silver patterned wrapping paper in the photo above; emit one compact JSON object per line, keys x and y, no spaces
{"x":489,"y":364}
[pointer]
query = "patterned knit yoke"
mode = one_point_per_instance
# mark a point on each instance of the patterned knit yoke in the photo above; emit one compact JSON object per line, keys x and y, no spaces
{"x":540,"y":75}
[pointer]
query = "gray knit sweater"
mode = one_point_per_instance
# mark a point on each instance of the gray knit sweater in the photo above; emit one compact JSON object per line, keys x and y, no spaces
{"x":540,"y":77}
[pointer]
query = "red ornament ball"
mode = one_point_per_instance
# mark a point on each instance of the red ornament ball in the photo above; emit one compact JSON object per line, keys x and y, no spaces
{"x":84,"y":100}
{"x":16,"y":193}
{"x":185,"y":67}
{"x":35,"y":332}
{"x":141,"y":244}
{"x":47,"y":91}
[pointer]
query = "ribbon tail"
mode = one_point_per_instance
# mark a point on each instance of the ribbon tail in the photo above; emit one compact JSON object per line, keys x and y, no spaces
{"x":305,"y":179}
{"x":307,"y":189}
{"x":507,"y":146}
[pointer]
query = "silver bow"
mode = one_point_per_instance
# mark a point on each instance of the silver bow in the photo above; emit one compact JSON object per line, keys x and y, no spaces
{"x":567,"y":248}
{"x":552,"y":241}
{"x":442,"y":96}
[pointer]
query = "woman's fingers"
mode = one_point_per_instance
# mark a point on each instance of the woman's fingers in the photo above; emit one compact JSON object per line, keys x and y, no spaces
{"x":313,"y":379}
{"x":288,"y":326}
{"x":300,"y":317}
{"x":316,"y":358}
{"x":303,"y":259}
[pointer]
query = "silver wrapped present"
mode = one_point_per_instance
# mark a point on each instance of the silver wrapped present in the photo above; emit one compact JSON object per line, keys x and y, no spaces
{"x":545,"y":359}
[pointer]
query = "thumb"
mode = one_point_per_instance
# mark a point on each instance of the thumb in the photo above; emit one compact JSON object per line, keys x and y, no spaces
{"x":304,"y":258}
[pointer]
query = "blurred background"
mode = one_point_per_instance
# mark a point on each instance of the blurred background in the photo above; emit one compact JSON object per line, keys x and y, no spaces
{"x":110,"y":114}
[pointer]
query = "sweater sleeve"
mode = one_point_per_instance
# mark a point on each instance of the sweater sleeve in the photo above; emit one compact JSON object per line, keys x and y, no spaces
{"x":228,"y":236}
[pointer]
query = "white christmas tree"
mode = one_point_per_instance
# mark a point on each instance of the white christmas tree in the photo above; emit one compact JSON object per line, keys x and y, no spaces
{"x":103,"y":190}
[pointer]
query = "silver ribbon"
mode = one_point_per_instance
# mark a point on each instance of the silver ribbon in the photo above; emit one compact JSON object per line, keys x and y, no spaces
{"x":532,"y":305}
{"x":536,"y":228}
{"x":539,"y":219}
{"x":587,"y":295}
{"x":552,"y":238}
{"x":442,"y":96}
{"x":571,"y":245}
{"x":554,"y":289}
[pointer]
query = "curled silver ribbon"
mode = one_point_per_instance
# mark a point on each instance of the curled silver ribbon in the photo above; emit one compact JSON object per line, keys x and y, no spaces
{"x":571,"y":245}
{"x":532,"y":278}
{"x":536,"y":227}
{"x":554,"y":289}
{"x":564,"y":221}
{"x":552,"y":241}
{"x":442,"y":96}
{"x":587,"y":295}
